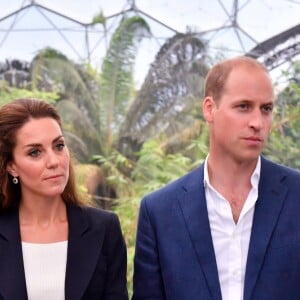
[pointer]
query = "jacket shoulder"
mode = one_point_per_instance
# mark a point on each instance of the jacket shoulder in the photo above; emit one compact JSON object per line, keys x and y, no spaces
{"x":174,"y":189}
{"x":93,"y":217}
{"x":97,"y":215}
{"x":269,"y":166}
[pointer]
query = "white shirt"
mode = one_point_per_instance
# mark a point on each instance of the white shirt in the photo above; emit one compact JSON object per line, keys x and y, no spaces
{"x":45,"y":270}
{"x":231,"y":240}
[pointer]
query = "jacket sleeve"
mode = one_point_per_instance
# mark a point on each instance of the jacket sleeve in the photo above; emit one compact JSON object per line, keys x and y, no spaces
{"x":147,"y":279}
{"x":116,"y":283}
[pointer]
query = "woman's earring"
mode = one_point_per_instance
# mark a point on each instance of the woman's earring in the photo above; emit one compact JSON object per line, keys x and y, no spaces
{"x":15,"y":180}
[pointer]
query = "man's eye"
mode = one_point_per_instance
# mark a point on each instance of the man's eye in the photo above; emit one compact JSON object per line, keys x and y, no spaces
{"x":268,"y":108}
{"x":243,"y":106}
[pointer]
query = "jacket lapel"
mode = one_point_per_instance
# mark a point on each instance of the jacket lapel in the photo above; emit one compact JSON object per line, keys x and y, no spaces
{"x":12,"y":275}
{"x":268,"y":206}
{"x":83,"y":252}
{"x":193,"y":205}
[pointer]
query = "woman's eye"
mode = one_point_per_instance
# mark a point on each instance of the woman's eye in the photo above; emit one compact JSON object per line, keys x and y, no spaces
{"x":60,"y":146}
{"x":34,"y":153}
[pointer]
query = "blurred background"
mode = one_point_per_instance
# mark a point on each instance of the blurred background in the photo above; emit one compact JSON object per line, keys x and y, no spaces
{"x":127,"y":79}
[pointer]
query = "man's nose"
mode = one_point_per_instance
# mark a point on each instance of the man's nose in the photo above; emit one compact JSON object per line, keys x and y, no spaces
{"x":256,"y":120}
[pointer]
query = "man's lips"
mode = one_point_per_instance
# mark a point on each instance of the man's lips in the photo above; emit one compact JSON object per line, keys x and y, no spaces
{"x":254,"y":139}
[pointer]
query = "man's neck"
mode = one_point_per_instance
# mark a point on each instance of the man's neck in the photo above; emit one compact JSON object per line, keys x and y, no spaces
{"x":232,"y":180}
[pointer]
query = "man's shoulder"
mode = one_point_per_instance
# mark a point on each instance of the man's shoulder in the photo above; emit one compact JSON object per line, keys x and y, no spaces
{"x":277,"y":168}
{"x":176,"y":188}
{"x":273,"y":173}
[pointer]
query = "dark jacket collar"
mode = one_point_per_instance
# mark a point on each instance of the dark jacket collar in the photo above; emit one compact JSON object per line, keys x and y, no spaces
{"x":83,"y":253}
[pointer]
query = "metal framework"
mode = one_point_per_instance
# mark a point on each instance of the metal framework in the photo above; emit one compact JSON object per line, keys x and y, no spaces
{"x":278,"y":49}
{"x":273,"y":52}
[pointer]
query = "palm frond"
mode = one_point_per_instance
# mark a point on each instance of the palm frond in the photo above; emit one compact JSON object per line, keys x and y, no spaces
{"x":116,"y":84}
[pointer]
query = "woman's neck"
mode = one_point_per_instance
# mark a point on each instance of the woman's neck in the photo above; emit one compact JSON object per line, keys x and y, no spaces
{"x":43,"y":221}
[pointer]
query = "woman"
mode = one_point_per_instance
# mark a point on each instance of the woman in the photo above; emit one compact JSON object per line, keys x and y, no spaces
{"x":51,"y":245}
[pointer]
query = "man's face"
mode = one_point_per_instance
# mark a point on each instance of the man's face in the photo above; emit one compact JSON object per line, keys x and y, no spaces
{"x":241,"y":120}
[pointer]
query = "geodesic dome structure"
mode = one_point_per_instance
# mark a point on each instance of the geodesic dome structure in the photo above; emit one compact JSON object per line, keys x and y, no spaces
{"x":266,"y":30}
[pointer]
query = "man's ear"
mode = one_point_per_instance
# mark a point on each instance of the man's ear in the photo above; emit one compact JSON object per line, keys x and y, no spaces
{"x":208,"y":108}
{"x":11,"y":169}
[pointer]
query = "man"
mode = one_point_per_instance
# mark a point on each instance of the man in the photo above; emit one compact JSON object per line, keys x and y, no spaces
{"x":230,"y":229}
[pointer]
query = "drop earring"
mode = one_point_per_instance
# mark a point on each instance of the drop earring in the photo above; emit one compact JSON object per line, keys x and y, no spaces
{"x":15,"y":180}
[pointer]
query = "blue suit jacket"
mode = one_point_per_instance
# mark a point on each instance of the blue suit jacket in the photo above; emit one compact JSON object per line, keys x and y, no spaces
{"x":175,"y":258}
{"x":96,"y":257}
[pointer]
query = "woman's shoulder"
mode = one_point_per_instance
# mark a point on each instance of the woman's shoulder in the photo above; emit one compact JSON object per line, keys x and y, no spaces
{"x":97,"y":212}
{"x":96,"y":216}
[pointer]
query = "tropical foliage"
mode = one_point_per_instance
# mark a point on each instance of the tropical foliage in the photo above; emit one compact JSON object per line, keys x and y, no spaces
{"x":116,"y":79}
{"x":284,"y":145}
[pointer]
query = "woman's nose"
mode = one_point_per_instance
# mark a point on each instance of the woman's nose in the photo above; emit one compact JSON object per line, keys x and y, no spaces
{"x":51,"y":160}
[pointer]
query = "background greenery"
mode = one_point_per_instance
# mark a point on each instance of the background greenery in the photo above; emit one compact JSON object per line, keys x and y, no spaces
{"x":128,"y":142}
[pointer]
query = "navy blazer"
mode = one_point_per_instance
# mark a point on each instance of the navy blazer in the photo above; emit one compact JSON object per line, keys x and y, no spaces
{"x":175,"y":257}
{"x":96,"y":257}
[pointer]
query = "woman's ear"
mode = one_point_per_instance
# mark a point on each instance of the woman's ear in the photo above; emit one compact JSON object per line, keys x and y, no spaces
{"x":208,"y":108}
{"x":11,"y":169}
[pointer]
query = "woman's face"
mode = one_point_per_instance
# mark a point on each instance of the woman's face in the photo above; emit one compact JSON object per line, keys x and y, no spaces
{"x":40,"y":159}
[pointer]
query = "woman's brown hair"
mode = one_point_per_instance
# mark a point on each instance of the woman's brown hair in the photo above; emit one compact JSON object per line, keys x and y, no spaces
{"x":12,"y":117}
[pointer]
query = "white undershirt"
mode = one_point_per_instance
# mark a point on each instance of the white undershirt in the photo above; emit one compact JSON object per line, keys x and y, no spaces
{"x":45,"y":269}
{"x":230,"y":240}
